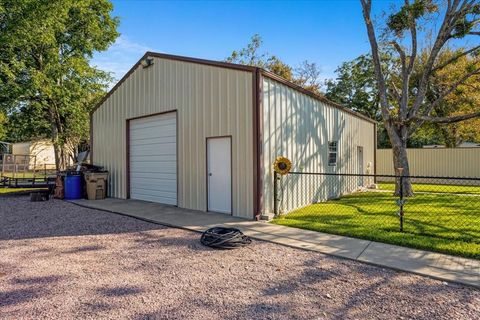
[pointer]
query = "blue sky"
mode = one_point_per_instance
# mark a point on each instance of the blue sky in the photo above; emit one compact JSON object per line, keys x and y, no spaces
{"x":325,"y":32}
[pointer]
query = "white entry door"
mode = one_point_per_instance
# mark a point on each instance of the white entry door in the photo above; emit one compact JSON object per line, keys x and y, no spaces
{"x":219,"y":174}
{"x":153,"y":158}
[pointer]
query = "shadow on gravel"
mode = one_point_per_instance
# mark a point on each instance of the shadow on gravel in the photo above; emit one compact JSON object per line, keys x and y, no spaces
{"x":34,"y":287}
{"x":146,"y":239}
{"x":84,"y":249}
{"x":17,"y":296}
{"x":120,"y":291}
{"x":36,"y":280}
{"x":57,"y":218}
{"x":316,"y":284}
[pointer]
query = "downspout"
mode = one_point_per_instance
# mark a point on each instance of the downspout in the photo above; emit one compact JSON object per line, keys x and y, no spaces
{"x":257,"y":145}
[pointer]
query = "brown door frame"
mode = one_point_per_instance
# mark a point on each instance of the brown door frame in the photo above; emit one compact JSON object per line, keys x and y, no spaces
{"x":231,"y":170}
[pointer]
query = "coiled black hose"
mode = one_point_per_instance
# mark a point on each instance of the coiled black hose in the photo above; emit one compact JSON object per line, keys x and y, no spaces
{"x":224,"y":238}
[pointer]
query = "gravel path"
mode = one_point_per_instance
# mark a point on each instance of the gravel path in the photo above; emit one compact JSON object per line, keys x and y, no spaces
{"x":61,"y":261}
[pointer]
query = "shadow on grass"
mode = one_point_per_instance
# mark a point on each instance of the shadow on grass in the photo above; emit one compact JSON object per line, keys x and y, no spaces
{"x":448,"y":224}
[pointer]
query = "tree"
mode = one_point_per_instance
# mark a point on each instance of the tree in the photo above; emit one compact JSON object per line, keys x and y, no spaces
{"x":463,"y":100}
{"x":403,"y":108}
{"x":47,"y":86}
{"x":251,"y":56}
{"x":355,"y":87}
{"x":3,"y":125}
{"x":306,"y":74}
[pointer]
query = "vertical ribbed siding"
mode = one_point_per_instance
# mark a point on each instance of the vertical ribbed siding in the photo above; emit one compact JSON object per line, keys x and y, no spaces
{"x":442,"y":162}
{"x":210,"y":101}
{"x":299,"y":127}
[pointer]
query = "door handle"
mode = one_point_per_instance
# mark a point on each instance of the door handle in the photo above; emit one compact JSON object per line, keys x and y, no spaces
{"x":210,"y":174}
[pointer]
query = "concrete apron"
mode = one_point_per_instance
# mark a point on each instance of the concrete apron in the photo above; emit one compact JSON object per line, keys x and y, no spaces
{"x":434,"y":265}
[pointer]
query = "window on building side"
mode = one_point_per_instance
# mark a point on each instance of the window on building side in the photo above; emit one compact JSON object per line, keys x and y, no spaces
{"x":332,"y":153}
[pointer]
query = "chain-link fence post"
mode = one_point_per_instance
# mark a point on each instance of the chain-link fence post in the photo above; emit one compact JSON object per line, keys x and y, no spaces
{"x":401,"y":199}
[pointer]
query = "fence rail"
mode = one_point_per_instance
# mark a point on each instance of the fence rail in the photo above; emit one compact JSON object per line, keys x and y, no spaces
{"x":24,"y":171}
{"x":446,"y":209}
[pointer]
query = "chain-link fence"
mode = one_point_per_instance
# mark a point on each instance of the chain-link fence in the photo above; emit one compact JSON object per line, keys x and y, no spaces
{"x":402,"y":210}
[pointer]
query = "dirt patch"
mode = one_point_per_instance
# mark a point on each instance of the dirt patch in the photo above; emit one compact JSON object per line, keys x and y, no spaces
{"x":59,"y":260}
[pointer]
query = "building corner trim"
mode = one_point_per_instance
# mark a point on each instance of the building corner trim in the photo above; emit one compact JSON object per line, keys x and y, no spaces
{"x":90,"y":154}
{"x":257,"y":140}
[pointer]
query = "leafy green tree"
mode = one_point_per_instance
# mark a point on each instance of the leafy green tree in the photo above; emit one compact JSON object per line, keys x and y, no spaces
{"x":3,"y":125}
{"x":465,"y":99}
{"x":404,"y":104}
{"x":251,"y":56}
{"x":306,"y":74}
{"x":355,"y":87}
{"x":47,"y":85}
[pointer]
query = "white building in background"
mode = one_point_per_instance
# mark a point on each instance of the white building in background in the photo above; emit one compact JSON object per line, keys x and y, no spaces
{"x":38,"y":154}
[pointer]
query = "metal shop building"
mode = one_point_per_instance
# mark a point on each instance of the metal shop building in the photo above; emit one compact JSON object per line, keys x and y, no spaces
{"x":204,"y":134}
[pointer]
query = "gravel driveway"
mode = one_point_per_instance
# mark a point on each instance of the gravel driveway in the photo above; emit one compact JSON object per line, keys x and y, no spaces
{"x":61,"y":261}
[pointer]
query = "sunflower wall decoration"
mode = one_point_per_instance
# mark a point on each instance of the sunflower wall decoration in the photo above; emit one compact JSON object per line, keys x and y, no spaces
{"x":282,"y":165}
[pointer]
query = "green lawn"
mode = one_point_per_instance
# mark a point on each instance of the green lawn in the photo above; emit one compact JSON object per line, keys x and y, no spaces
{"x":436,"y":188}
{"x":445,"y":223}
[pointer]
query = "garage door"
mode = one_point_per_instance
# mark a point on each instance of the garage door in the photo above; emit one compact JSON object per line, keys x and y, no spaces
{"x":153,"y":158}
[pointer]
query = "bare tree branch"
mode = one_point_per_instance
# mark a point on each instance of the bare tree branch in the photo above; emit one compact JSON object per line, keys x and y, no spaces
{"x":429,"y":109}
{"x":413,"y":35}
{"x":403,"y":103}
{"x":455,"y":58}
{"x":452,"y":88}
{"x":382,"y":87}
{"x":452,"y":17}
{"x":449,"y":119}
{"x":393,"y":91}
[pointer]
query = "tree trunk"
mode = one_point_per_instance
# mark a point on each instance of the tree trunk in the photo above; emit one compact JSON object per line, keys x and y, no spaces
{"x":60,"y":162}
{"x":449,"y":135}
{"x":398,"y":139}
{"x":56,"y":149}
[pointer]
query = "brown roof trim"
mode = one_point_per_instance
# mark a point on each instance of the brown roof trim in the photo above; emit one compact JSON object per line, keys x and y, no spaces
{"x":234,"y":67}
{"x":212,"y":63}
{"x":119,"y":83}
{"x":321,"y":98}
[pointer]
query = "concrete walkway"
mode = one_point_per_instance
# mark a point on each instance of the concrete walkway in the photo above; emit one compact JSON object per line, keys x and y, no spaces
{"x":440,"y":266}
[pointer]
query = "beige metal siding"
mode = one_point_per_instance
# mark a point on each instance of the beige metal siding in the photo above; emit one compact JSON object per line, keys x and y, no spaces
{"x":445,"y":162}
{"x":22,"y":148}
{"x":210,"y":101}
{"x":299,"y":127}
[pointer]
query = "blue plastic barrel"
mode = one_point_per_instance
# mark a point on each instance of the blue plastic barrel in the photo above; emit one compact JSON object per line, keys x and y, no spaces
{"x":73,"y":187}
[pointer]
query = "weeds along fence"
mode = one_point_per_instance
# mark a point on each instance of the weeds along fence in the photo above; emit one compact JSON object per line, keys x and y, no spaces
{"x":446,"y":207}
